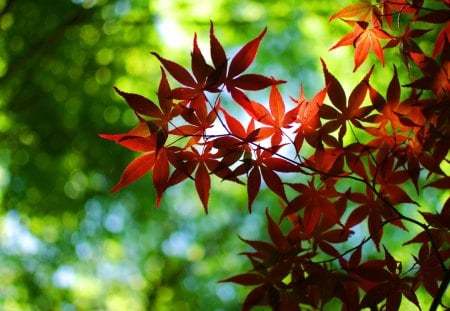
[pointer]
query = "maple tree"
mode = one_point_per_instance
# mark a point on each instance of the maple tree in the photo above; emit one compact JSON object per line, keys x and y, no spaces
{"x":368,"y":146}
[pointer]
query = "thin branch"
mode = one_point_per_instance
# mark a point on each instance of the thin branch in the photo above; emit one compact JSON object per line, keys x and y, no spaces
{"x":437,"y":300}
{"x":363,"y":241}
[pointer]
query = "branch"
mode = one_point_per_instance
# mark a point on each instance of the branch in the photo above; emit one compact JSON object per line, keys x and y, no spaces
{"x":437,"y":300}
{"x":364,"y":241}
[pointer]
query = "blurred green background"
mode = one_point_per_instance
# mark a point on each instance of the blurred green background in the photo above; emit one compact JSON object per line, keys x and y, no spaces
{"x":65,"y":242}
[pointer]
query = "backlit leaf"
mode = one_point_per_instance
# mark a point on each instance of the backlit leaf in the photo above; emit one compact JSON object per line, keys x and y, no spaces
{"x":203,"y":184}
{"x":135,"y":170}
{"x":243,"y":59}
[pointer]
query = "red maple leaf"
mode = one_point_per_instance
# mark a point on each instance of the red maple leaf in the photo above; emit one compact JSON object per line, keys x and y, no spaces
{"x":406,"y":43}
{"x":376,"y":210}
{"x":205,"y":77}
{"x":389,"y":285}
{"x":315,"y":203}
{"x":276,"y":119}
{"x":308,"y":119}
{"x":430,"y":272}
{"x":352,"y":111}
{"x":363,"y":11}
{"x":265,"y":166}
{"x":364,"y":39}
{"x":442,"y":38}
{"x":236,"y":81}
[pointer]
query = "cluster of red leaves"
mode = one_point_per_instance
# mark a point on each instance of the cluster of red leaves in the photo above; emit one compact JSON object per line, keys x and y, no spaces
{"x":406,"y":141}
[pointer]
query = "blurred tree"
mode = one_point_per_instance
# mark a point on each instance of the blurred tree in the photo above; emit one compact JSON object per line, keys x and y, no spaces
{"x":65,"y":243}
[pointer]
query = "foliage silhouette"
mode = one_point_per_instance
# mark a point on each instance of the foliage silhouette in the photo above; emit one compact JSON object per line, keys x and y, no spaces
{"x":369,"y":150}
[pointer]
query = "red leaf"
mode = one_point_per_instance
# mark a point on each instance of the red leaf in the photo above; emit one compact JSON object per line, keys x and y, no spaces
{"x":260,"y":113}
{"x":375,"y":296}
{"x":276,"y":235}
{"x":440,"y":221}
{"x":372,"y":273}
{"x":276,"y":105}
{"x":357,"y":216}
{"x":374,"y":223}
{"x":442,"y":183}
{"x":134,"y":139}
{"x":361,"y":11}
{"x":247,"y":279}
{"x":200,"y":68}
{"x":391,"y":264}
{"x":243,"y":59}
{"x":135,"y":170}
{"x":280,"y":165}
{"x":253,"y":82}
{"x":311,"y":218}
{"x":263,"y":248}
{"x":355,"y":259}
{"x":161,"y":174}
{"x":217,"y":52}
{"x":253,"y":185}
{"x":203,"y":184}
{"x":442,"y":38}
{"x":364,"y":39}
{"x":369,"y":40}
{"x":255,"y":297}
{"x":234,"y":125}
{"x":186,"y":130}
{"x":164,"y":94}
{"x":140,"y":104}
{"x":274,"y":182}
{"x":136,"y":143}
{"x":335,"y":91}
{"x":178,"y":72}
{"x":393,"y":91}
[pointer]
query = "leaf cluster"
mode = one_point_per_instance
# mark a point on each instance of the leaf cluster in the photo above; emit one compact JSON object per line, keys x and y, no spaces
{"x":381,"y":141}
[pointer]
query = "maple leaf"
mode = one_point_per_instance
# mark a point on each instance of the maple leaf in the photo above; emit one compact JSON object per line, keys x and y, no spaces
{"x":430,"y":271}
{"x":389,"y":285}
{"x":198,"y":121}
{"x":276,"y":235}
{"x":410,"y":140}
{"x":328,"y":162}
{"x":389,"y":111}
{"x":376,"y":210}
{"x":276,"y":119}
{"x":406,"y":43}
{"x":436,"y":77}
{"x":236,"y":81}
{"x":364,"y":39}
{"x":137,"y":139}
{"x":158,"y":116}
{"x":203,"y":163}
{"x":316,"y":204}
{"x":363,"y":11}
{"x":264,"y":167}
{"x":442,"y":38}
{"x":308,"y":118}
{"x":329,"y":231}
{"x":352,"y":112}
{"x":204,"y":77}
{"x":388,"y":9}
{"x":160,"y":175}
{"x":135,"y":170}
{"x":389,"y":179}
{"x":239,"y":140}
